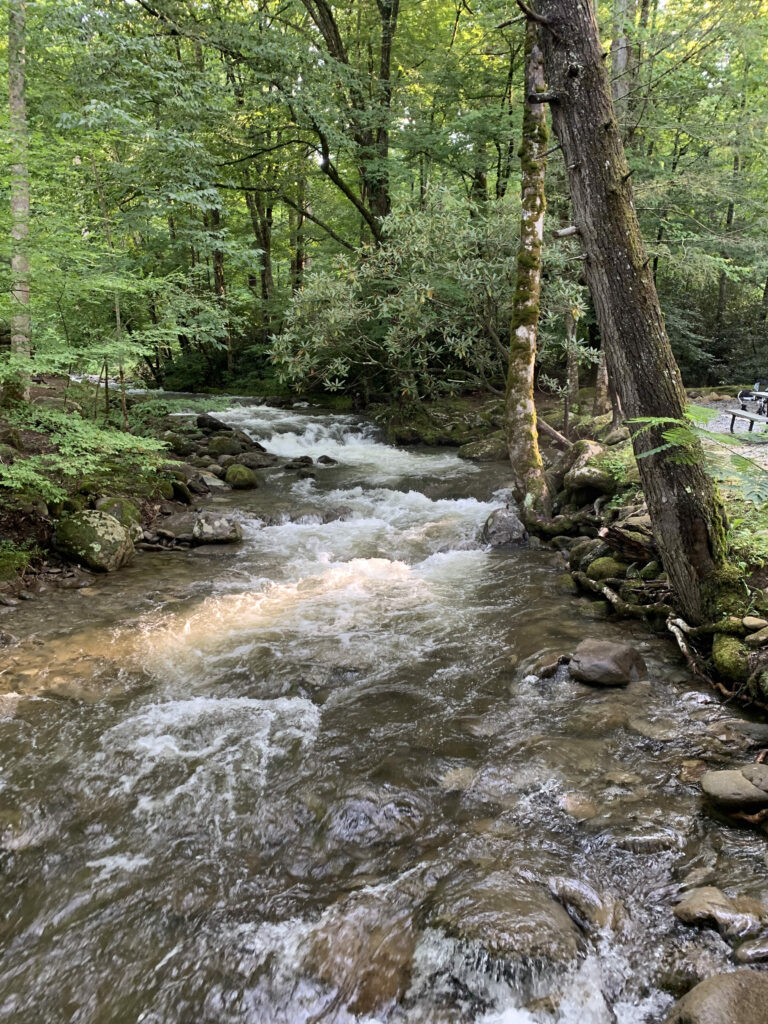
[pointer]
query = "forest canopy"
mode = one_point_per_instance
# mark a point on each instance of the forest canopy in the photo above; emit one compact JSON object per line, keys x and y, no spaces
{"x":289,"y":192}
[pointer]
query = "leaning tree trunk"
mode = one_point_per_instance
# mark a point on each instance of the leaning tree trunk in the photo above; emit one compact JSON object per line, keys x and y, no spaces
{"x":18,"y":388}
{"x":688,"y":519}
{"x":529,"y":483}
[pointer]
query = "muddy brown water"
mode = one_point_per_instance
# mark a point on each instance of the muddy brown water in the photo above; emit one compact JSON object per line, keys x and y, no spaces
{"x":313,"y":778}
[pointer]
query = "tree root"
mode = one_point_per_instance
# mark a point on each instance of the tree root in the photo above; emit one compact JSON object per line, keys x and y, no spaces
{"x":635,"y":611}
{"x":753,"y":819}
{"x":679,"y":629}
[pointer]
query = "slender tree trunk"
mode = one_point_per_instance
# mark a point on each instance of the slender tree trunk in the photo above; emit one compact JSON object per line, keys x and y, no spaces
{"x":219,"y":282}
{"x":572,"y":361}
{"x":529,"y":483}
{"x":688,"y":520}
{"x":602,"y":403}
{"x":18,"y":389}
{"x":118,"y":315}
{"x":623,"y":60}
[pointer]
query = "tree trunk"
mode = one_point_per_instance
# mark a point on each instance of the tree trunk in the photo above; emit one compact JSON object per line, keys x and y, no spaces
{"x":572,"y":361}
{"x":529,"y":483}
{"x":602,"y":403}
{"x":623,"y":60}
{"x":18,"y":389}
{"x":219,"y":283}
{"x":688,"y":519}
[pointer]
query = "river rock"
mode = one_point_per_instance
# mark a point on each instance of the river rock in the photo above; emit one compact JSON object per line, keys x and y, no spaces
{"x":326,"y":460}
{"x":754,"y":951}
{"x":213,"y":481}
{"x":200,"y":528}
{"x":737,"y":998}
{"x":583,"y":473}
{"x":363,"y":948}
{"x":490,"y":449}
{"x":241,"y":478}
{"x":224,"y":446}
{"x":605,"y":663}
{"x":753,"y":622}
{"x":503,"y":529}
{"x":510,"y":917}
{"x":209,"y":424}
{"x":256,"y":460}
{"x":584,"y":904}
{"x":737,"y":787}
{"x":94,"y":538}
{"x":739,"y":917}
{"x":125,"y":512}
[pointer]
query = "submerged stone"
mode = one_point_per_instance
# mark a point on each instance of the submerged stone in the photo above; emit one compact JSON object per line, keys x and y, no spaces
{"x":737,"y":998}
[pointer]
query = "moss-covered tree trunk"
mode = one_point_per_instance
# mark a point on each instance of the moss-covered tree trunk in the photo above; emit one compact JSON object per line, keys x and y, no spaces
{"x":687,"y":516}
{"x":529,"y":483}
{"x":17,"y":388}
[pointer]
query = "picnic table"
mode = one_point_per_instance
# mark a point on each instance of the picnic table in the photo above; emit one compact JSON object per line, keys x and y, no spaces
{"x":752,"y":417}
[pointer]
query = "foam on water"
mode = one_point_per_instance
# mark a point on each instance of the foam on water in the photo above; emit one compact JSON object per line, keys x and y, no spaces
{"x":290,"y":433}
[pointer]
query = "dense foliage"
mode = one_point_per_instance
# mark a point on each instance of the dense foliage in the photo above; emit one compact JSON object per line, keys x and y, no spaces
{"x":338,"y":184}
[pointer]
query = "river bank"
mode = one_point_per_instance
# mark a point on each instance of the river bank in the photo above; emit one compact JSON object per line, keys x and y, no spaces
{"x":319,"y":775}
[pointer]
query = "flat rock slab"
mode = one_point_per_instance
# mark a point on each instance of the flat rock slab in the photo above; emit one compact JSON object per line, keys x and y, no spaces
{"x":737,"y":787}
{"x":605,"y":663}
{"x":737,"y":998}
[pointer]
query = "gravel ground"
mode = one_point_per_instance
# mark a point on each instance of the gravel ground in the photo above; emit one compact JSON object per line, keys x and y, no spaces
{"x":721,"y":424}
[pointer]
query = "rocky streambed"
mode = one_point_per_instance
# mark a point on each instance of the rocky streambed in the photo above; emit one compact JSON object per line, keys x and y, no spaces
{"x":336,"y":772}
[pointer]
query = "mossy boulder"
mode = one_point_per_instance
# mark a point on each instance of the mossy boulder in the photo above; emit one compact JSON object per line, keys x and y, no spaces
{"x":585,"y":473}
{"x":490,"y":449}
{"x":125,"y":512}
{"x":729,"y":655}
{"x":241,"y":478}
{"x":227,"y":445}
{"x":95,"y":539}
{"x":178,"y":444}
{"x":606,"y":568}
{"x":585,"y":552}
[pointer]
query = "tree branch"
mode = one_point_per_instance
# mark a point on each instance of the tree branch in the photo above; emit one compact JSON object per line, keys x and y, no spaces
{"x":316,"y":220}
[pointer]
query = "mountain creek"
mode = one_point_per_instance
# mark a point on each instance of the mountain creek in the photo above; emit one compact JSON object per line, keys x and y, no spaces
{"x":315,"y":776}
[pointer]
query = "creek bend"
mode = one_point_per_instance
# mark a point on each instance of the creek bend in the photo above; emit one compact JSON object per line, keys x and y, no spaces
{"x":313,"y":778}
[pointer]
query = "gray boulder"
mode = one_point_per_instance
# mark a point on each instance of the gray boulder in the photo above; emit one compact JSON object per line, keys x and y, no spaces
{"x":737,"y":998}
{"x":210,"y":424}
{"x":125,"y":512}
{"x":256,"y":460}
{"x":95,"y":539}
{"x":737,"y":787}
{"x":605,"y":663}
{"x":200,"y":528}
{"x":503,"y":529}
{"x":490,"y":449}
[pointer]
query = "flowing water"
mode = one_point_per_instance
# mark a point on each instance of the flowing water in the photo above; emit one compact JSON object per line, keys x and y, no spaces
{"x":314,"y":777}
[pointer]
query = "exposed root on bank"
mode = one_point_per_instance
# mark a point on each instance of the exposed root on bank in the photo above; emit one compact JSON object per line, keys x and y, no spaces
{"x":752,"y":819}
{"x":637,"y":611}
{"x":679,"y":628}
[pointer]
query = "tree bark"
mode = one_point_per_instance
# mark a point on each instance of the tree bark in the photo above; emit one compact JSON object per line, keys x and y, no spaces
{"x":219,"y":282}
{"x":688,"y":520}
{"x":602,"y":403}
{"x":18,"y":389}
{"x":529,"y":483}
